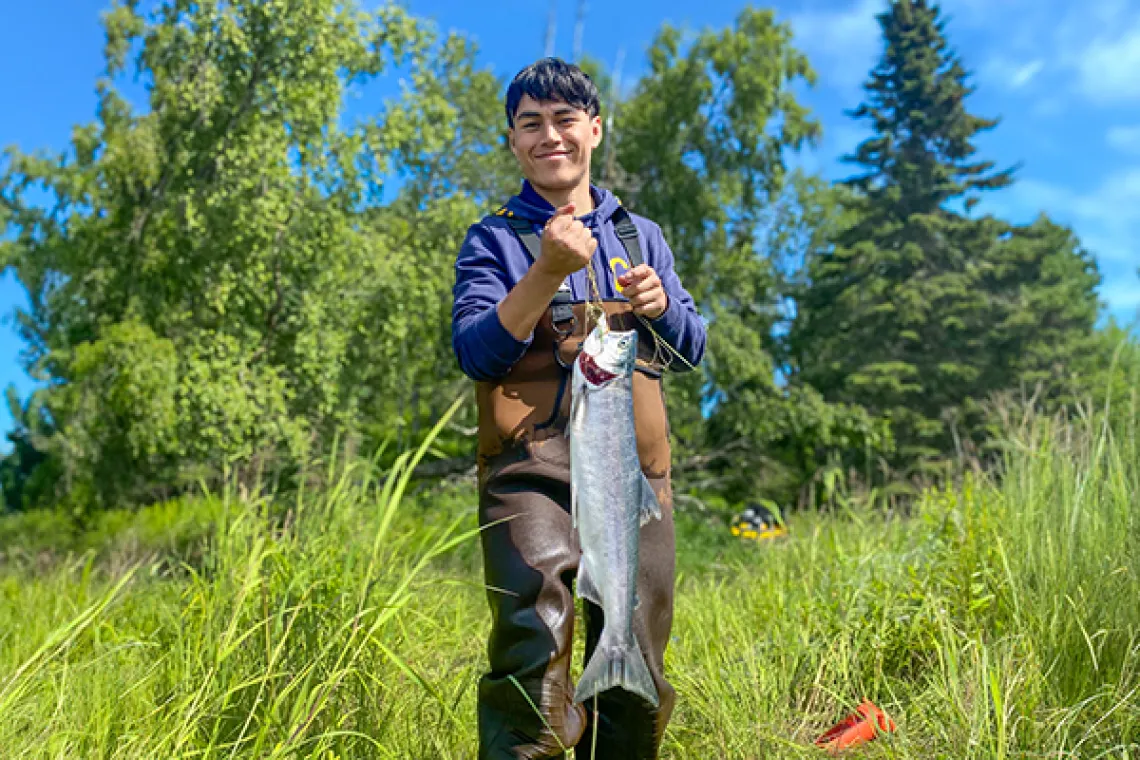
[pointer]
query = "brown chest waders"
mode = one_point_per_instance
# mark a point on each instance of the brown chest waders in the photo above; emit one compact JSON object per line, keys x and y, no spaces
{"x":531,"y":558}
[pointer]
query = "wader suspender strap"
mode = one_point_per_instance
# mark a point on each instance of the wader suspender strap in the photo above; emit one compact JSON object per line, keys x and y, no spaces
{"x":561,"y":304}
{"x":525,"y":231}
{"x":627,"y":234}
{"x":623,"y":226}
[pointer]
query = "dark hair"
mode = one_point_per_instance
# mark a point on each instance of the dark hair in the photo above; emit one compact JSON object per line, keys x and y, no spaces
{"x":552,"y":79}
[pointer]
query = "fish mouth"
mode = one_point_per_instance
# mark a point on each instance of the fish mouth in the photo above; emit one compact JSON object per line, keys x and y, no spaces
{"x":594,"y":374}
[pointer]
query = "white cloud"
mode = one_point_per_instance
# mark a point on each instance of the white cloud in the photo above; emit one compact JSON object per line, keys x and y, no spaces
{"x":1125,"y":139}
{"x":1110,"y":67}
{"x":1114,"y":207}
{"x":1027,"y":197}
{"x":1106,"y":219}
{"x":844,"y":41}
{"x":1116,"y":204}
{"x":1053,"y":105}
{"x":981,"y":13}
{"x":847,"y":40}
{"x":1099,"y":42}
{"x":1013,"y":74}
{"x":1109,"y":216}
{"x":1025,"y":74}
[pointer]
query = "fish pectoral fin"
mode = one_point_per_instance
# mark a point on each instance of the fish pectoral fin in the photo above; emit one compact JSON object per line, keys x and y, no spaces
{"x":649,"y":507}
{"x":585,"y":587}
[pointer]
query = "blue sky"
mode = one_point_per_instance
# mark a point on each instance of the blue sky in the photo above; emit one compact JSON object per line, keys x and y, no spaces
{"x":1063,"y":76}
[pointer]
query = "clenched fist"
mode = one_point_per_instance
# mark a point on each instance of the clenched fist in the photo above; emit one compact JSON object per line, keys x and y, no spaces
{"x":567,"y":244}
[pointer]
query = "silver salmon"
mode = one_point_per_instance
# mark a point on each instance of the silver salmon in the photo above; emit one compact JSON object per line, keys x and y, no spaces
{"x":610,"y":500}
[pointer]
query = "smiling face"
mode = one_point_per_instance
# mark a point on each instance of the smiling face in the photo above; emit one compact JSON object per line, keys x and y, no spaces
{"x":553,"y":143}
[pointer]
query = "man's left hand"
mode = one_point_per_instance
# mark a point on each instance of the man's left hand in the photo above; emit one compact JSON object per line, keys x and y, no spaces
{"x":646,"y":294}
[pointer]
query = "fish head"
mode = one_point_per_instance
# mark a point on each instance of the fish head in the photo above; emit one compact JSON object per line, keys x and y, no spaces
{"x":607,"y":354}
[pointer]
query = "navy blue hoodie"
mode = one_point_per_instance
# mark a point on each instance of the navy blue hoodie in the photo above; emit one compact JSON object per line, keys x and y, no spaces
{"x":493,"y":259}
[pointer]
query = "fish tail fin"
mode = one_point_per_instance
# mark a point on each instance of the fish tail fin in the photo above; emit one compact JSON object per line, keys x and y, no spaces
{"x":650,"y":507}
{"x":617,"y":664}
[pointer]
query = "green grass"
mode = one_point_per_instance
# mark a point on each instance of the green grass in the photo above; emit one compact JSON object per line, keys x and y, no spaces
{"x":994,"y":621}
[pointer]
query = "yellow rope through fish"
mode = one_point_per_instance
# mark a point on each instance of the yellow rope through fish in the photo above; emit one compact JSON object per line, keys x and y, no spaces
{"x":595,"y":313}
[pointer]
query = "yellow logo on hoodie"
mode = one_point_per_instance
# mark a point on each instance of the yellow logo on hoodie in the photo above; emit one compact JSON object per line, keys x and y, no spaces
{"x":617,"y":263}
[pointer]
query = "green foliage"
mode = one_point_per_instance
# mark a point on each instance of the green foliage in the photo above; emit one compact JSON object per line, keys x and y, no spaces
{"x":228,"y":284}
{"x":269,"y":644}
{"x":233,"y":281}
{"x":469,"y":156}
{"x":920,"y":155}
{"x":1114,"y":380}
{"x":701,"y":149}
{"x":168,"y":533}
{"x":214,"y":289}
{"x":118,"y":417}
{"x":701,"y":143}
{"x":26,"y":472}
{"x":988,"y":622}
{"x":919,"y":313}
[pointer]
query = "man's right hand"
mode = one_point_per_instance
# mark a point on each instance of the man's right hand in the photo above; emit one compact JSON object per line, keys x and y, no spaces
{"x":567,"y":244}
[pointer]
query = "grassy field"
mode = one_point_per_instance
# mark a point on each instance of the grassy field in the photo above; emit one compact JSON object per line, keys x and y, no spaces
{"x":994,"y":621}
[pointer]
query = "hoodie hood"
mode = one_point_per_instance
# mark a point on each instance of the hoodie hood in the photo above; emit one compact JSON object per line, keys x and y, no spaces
{"x":528,"y":204}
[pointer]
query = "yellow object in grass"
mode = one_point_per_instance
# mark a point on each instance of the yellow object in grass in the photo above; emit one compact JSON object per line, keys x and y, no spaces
{"x":752,"y":530}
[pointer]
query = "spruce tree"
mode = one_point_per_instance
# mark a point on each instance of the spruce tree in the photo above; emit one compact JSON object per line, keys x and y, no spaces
{"x":919,"y":312}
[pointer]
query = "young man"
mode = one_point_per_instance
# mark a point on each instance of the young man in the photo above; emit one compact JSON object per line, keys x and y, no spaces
{"x":519,"y":317}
